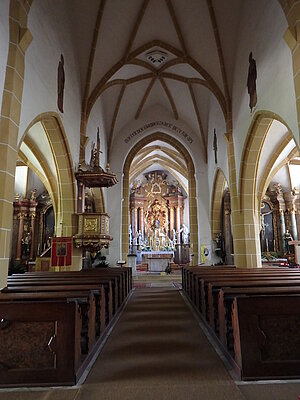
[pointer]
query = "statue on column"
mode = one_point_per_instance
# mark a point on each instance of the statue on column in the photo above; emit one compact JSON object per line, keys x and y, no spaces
{"x":215,"y":147}
{"x":251,"y":82}
{"x":60,"y":84}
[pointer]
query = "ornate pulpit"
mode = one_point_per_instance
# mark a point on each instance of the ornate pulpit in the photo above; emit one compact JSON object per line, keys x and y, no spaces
{"x":93,"y":227}
{"x":93,"y":231}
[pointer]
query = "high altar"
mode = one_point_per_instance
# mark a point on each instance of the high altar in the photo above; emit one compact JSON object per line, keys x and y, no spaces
{"x":156,"y":216}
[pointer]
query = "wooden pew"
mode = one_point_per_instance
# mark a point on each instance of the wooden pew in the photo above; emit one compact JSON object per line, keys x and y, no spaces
{"x":66,"y":288}
{"x":109,"y":284}
{"x":122,"y":274}
{"x":266,"y":336}
{"x":226,"y":297}
{"x":209,"y":297}
{"x":84,"y":298}
{"x":220,"y":289}
{"x":188,"y":274}
{"x":39,"y":343}
{"x":201,"y":297}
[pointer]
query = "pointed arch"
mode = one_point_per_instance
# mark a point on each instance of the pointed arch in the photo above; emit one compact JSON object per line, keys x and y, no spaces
{"x":63,"y":179}
{"x":247,"y":250}
{"x":219,"y":186}
{"x":192,"y":189}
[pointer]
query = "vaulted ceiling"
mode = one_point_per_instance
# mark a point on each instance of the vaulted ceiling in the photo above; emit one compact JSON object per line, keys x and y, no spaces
{"x":139,"y":54}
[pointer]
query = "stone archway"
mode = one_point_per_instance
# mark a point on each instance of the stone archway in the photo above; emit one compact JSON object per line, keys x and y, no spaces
{"x":247,"y":246}
{"x":61,"y":182}
{"x":192,"y":190}
{"x":19,"y":40}
{"x":216,"y":203}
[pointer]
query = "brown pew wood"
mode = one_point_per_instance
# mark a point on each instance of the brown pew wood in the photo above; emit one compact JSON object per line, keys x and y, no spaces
{"x":266,"y":336}
{"x":50,"y":353}
{"x":110,"y":290}
{"x":227,"y":295}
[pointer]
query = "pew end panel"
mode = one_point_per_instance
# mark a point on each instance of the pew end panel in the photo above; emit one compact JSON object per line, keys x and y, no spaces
{"x":39,"y":343}
{"x":266,"y":336}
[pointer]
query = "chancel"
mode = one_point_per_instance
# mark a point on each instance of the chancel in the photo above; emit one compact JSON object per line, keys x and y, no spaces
{"x":158,"y":213}
{"x":150,"y":199}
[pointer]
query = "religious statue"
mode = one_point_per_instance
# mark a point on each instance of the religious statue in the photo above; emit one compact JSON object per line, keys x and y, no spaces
{"x":287,"y":237}
{"x":251,"y":82}
{"x":185,"y":234}
{"x":60,"y":84}
{"x":220,"y":247}
{"x":140,"y":238}
{"x":174,"y":237}
{"x":25,"y":244}
{"x":215,"y":147}
{"x":95,"y":153}
{"x":130,"y":235}
{"x":33,"y":195}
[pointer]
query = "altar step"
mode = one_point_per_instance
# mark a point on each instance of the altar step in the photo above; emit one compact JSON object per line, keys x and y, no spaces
{"x":143,"y":267}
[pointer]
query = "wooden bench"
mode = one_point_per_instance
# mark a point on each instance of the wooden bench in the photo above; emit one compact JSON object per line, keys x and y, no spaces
{"x":210,"y":290}
{"x":39,"y":343}
{"x":221,"y":290}
{"x":88,"y":291}
{"x":63,"y":285}
{"x":110,"y":283}
{"x":266,"y":336}
{"x":226,"y":297}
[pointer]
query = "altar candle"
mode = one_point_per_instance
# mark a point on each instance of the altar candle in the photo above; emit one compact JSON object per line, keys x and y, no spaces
{"x":267,"y":245}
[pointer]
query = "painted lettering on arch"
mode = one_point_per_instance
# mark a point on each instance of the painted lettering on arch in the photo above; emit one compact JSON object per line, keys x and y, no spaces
{"x":159,"y":123}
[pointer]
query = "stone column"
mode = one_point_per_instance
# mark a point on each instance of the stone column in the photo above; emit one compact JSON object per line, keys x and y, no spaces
{"x":298,"y":222}
{"x":132,"y":220}
{"x":142,"y":221}
{"x":19,"y":40}
{"x":178,"y":222}
{"x":135,"y":213}
{"x":171,"y":222}
{"x":21,"y":217}
{"x":293,"y":224}
{"x":32,"y":230}
{"x":282,"y":229}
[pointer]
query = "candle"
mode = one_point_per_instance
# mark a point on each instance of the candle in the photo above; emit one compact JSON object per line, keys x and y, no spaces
{"x":267,"y":245}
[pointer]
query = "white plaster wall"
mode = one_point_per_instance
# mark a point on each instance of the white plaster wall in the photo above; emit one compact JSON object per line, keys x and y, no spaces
{"x":4,"y":40}
{"x":217,"y":122}
{"x":204,"y":231}
{"x":49,"y":24}
{"x":261,"y":31}
{"x":34,"y":182}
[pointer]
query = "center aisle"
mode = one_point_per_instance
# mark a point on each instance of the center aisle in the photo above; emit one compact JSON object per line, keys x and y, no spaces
{"x":158,"y":351}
